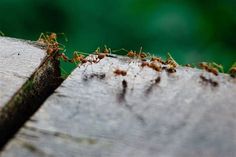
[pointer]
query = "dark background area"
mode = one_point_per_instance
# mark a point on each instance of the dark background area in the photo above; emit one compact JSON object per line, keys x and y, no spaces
{"x":192,"y":31}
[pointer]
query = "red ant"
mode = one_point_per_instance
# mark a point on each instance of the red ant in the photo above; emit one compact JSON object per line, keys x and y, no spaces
{"x":53,"y":47}
{"x":133,"y":54}
{"x":232,"y":70}
{"x":209,"y":68}
{"x":63,"y":57}
{"x":157,"y":59}
{"x":120,"y":72}
{"x":79,"y":58}
{"x":155,"y":67}
{"x":145,"y":64}
{"x":101,"y":55}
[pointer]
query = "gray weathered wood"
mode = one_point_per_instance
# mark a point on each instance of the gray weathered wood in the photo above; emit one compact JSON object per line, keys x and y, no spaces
{"x":93,"y":114}
{"x":18,"y":61}
{"x":27,"y":78}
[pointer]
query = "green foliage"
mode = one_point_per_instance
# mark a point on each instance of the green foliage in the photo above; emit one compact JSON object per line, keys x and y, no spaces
{"x":192,"y":30}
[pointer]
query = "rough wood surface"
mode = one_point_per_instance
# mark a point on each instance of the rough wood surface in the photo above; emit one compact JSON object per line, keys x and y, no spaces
{"x":27,"y":78}
{"x":93,"y":114}
{"x":18,"y":61}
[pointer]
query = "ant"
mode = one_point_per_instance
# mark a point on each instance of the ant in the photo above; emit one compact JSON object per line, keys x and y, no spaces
{"x":171,"y":69}
{"x":209,"y":68}
{"x":155,"y":67}
{"x":232,"y":70}
{"x":170,"y":61}
{"x":49,"y":37}
{"x":101,"y":55}
{"x":120,"y":72}
{"x":157,"y":59}
{"x":78,"y":58}
{"x":189,"y":65}
{"x":131,"y":54}
{"x":145,"y":64}
{"x":53,"y":47}
{"x":141,"y":55}
{"x":63,"y":57}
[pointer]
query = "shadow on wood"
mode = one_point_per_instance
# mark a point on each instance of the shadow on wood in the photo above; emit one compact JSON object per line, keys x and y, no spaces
{"x":144,"y":113}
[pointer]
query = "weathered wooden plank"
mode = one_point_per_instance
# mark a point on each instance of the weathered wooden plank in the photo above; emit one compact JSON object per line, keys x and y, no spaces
{"x":26,"y":79}
{"x":93,"y":113}
{"x":18,"y":61}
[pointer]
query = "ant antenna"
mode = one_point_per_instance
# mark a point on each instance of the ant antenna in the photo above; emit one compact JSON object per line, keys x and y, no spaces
{"x":1,"y":33}
{"x":122,"y":49}
{"x":140,"y":50}
{"x":65,"y":37}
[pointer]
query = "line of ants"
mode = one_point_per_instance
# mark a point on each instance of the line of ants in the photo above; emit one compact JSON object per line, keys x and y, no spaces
{"x":57,"y":50}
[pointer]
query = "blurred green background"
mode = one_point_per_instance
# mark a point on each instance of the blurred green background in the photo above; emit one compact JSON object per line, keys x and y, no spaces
{"x":192,"y":31}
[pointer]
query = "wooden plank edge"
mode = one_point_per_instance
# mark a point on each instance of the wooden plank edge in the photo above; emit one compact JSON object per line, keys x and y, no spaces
{"x":25,"y":102}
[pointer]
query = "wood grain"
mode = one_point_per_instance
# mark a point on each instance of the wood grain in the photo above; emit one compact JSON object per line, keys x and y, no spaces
{"x":95,"y":113}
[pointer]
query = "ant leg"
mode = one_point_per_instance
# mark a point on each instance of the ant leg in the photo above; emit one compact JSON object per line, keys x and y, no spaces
{"x":140,"y":52}
{"x":64,"y":74}
{"x":41,"y":36}
{"x":122,"y":49}
{"x":64,"y":35}
{"x":97,"y":51}
{"x":1,"y":33}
